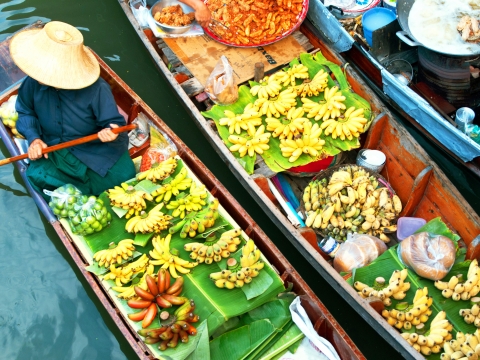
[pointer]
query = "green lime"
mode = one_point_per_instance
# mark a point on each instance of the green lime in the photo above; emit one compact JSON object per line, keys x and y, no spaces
{"x":100,"y":201}
{"x":98,"y":216}
{"x":90,"y":220}
{"x":59,"y":206}
{"x":70,"y":189}
{"x":92,"y":198}
{"x":109,"y":216}
{"x":84,"y":199}
{"x":100,"y":227}
{"x":89,"y":231}
{"x":72,"y":199}
{"x":78,"y":193}
{"x":76,"y":220}
{"x":95,"y":224}
{"x":98,"y":206}
{"x":84,"y":225}
{"x":71,"y":214}
{"x":64,"y":213}
{"x":51,"y":204}
{"x":104,"y":221}
{"x":56,"y":211}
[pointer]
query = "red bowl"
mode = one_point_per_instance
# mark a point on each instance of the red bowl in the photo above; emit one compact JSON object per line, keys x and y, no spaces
{"x":314,"y":167}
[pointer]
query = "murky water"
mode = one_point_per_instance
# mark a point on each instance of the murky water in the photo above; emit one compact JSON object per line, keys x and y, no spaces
{"x":48,"y":310}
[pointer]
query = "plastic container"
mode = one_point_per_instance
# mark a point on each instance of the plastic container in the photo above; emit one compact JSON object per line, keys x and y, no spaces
{"x":463,"y":117}
{"x":390,"y":5}
{"x":402,"y":70}
{"x":407,"y":226}
{"x":375,"y":19}
{"x":373,"y":160}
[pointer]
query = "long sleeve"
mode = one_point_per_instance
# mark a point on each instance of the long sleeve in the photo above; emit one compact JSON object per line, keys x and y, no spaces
{"x":27,"y":124}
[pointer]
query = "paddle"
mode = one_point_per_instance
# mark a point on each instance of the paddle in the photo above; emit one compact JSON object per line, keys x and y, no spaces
{"x":69,"y":144}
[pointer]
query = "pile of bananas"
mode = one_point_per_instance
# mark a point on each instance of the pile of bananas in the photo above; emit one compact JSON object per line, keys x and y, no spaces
{"x":168,"y":258}
{"x":238,"y":275}
{"x":268,"y":87}
{"x":397,"y":288}
{"x":127,"y":198}
{"x":123,"y":275}
{"x":297,"y":71}
{"x":179,"y":183}
{"x":128,"y":292}
{"x":115,"y":253}
{"x":405,"y":315}
{"x":246,"y":121}
{"x":175,"y":327}
{"x":309,"y":143}
{"x":197,"y":222}
{"x":274,"y":107}
{"x":439,"y":335}
{"x":351,"y":201}
{"x":472,"y":315}
{"x":458,"y":290}
{"x":193,"y":201}
{"x":465,"y":346}
{"x":256,"y":144}
{"x":215,"y":249}
{"x":313,"y":87}
{"x":159,"y":171}
{"x":288,"y":127}
{"x":145,"y":223}
{"x":329,"y":108}
{"x":350,"y":124}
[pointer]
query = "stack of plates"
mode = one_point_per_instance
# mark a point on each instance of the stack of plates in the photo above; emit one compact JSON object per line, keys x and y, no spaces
{"x":348,"y":9}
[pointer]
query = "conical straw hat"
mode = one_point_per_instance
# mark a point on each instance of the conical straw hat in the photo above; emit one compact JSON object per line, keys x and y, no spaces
{"x":55,"y":56}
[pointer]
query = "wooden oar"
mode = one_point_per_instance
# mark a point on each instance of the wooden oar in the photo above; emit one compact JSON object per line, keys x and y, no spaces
{"x":68,"y":144}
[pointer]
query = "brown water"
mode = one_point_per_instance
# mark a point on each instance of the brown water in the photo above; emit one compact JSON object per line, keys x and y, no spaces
{"x":48,"y":310}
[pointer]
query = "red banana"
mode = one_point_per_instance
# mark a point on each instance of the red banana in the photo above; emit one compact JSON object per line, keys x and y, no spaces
{"x":152,"y":285}
{"x":191,"y":330}
{"x":138,"y":316}
{"x":185,"y":308}
{"x":183,"y":324}
{"x":145,"y":295}
{"x":175,"y":328}
{"x":161,"y":281}
{"x":177,"y":292}
{"x":173,"y":342}
{"x":167,"y":280}
{"x":144,"y":332}
{"x":155,"y":333}
{"x":175,"y":300}
{"x":150,"y":340}
{"x":163,"y":345}
{"x":176,"y":286}
{"x":163,"y":303}
{"x":138,"y":304}
{"x":167,"y":334}
{"x":183,"y":336}
{"x":150,"y":315}
{"x":193,"y":319}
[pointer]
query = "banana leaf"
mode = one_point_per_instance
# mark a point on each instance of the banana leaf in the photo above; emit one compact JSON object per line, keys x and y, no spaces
{"x":100,"y":270}
{"x":202,"y":351}
{"x":438,"y":227}
{"x":287,"y":340}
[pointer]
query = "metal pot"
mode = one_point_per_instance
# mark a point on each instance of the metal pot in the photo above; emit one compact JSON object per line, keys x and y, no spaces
{"x":403,"y":12}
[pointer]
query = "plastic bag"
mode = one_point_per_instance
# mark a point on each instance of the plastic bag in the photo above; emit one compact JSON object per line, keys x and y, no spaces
{"x":221,"y":87}
{"x":430,"y":256}
{"x":9,"y":115}
{"x":63,"y":200}
{"x":140,"y":11}
{"x":161,"y":148}
{"x":90,"y":216}
{"x":358,"y":251}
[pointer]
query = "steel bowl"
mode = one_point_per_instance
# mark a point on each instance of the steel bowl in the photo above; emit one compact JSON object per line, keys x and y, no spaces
{"x":158,"y":6}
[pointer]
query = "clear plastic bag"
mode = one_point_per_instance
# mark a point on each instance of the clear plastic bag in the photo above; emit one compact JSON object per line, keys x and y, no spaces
{"x":221,"y":87}
{"x":161,"y":148}
{"x":430,"y":256}
{"x":90,"y":216}
{"x":358,"y":251}
{"x":63,"y":200}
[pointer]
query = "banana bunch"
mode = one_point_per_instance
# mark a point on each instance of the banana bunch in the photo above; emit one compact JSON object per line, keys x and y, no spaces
{"x":215,"y":249}
{"x":313,"y":87}
{"x":115,"y":253}
{"x":465,"y":346}
{"x":128,"y":292}
{"x":288,"y":127}
{"x":127,"y":198}
{"x":329,"y":108}
{"x":404,"y":316}
{"x":268,"y":87}
{"x":277,"y":106}
{"x":193,"y":201}
{"x":159,"y":171}
{"x":309,"y":143}
{"x":297,"y":71}
{"x":123,"y":275}
{"x":350,"y":124}
{"x":351,"y":201}
{"x":397,"y":287}
{"x":168,"y":258}
{"x":153,"y":221}
{"x":197,"y":222}
{"x":438,"y":336}
{"x":179,"y":183}
{"x":458,"y":290}
{"x":238,"y":275}
{"x":246,"y":121}
{"x":472,"y":315}
{"x":257,"y":144}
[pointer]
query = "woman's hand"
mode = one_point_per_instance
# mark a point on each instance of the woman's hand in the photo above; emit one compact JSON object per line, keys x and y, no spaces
{"x":35,"y":150}
{"x":202,"y":15}
{"x":106,"y":135}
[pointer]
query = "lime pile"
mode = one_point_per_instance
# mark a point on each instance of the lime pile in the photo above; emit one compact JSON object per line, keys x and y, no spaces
{"x":63,"y":201}
{"x":89,"y":216}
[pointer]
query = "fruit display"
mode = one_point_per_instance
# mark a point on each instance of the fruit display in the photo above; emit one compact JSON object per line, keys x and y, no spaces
{"x":88,"y":215}
{"x":350,"y":124}
{"x":257,"y":143}
{"x":214,"y":249}
{"x":63,"y":200}
{"x":288,"y":127}
{"x":465,"y":346}
{"x":267,"y":87}
{"x":237,"y":275}
{"x":309,"y":143}
{"x":274,"y":107}
{"x":9,"y":115}
{"x":457,"y":289}
{"x":288,"y":77}
{"x":186,"y":203}
{"x":179,"y":183}
{"x":159,"y":171}
{"x":313,"y":87}
{"x":115,"y":253}
{"x":152,"y":222}
{"x":351,"y":201}
{"x":128,"y":198}
{"x":168,"y":258}
{"x":128,"y":292}
{"x":197,"y":222}
{"x":396,"y":288}
{"x":247,"y":121}
{"x":329,"y":108}
{"x":471,"y":315}
{"x":123,"y":274}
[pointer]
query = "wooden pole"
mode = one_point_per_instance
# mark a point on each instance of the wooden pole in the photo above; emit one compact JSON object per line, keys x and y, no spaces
{"x":258,"y":71}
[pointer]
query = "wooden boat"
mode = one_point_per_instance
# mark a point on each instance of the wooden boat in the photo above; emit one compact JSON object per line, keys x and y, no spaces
{"x":423,"y":188}
{"x":131,"y":105}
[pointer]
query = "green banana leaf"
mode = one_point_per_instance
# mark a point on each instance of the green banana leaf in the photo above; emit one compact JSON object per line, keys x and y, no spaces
{"x":287,"y":340}
{"x":100,"y":270}
{"x":438,"y":227}
{"x":202,"y":351}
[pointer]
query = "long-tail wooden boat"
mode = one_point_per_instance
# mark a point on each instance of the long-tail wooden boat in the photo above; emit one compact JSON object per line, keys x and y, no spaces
{"x":423,"y":188}
{"x":131,"y":105}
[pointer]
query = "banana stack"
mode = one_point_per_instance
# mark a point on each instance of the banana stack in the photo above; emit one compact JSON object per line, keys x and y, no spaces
{"x":347,"y":126}
{"x":327,"y":109}
{"x":289,"y":127}
{"x":179,"y":183}
{"x":145,"y":223}
{"x":351,"y":201}
{"x":465,"y":346}
{"x":297,"y":71}
{"x":197,"y":222}
{"x":274,"y":107}
{"x":404,"y":316}
{"x":257,"y":143}
{"x":245,"y":121}
{"x":313,"y":87}
{"x":128,"y":292}
{"x":397,"y":287}
{"x":194,"y":201}
{"x":472,"y":315}
{"x":458,"y":290}
{"x":309,"y":143}
{"x":115,"y":253}
{"x":215,"y":249}
{"x":123,"y":275}
{"x":168,"y":258}
{"x":237,"y":275}
{"x":267,"y":88}
{"x":159,"y":171}
{"x":438,"y":336}
{"x":127,"y":198}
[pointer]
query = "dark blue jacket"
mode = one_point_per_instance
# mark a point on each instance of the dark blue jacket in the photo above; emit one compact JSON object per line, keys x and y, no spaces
{"x":57,"y":115}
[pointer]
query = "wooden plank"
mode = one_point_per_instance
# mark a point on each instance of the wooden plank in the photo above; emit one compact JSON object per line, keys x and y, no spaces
{"x":192,"y":87}
{"x":417,"y":192}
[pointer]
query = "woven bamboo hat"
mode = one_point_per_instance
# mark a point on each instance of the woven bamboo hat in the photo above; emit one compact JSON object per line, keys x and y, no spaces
{"x":55,"y":56}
